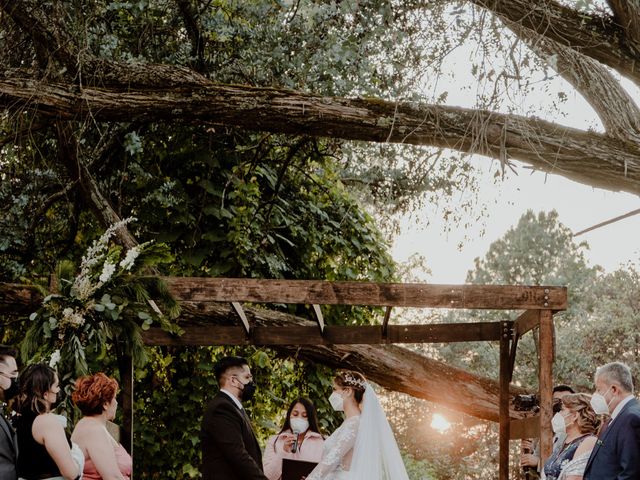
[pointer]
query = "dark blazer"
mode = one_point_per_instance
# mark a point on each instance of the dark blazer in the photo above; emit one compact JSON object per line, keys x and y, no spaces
{"x":8,"y":451}
{"x":230,"y":450}
{"x":616,"y":455}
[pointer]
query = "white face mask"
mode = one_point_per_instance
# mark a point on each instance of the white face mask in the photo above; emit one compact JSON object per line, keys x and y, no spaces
{"x":558,"y":424}
{"x":337,"y":401}
{"x":299,"y":425}
{"x":599,"y":403}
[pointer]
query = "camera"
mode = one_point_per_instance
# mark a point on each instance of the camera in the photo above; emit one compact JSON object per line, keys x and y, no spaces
{"x":526,"y":403}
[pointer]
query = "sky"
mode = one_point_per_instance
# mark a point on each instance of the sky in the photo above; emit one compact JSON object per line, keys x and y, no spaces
{"x":449,"y":250}
{"x":579,"y":207}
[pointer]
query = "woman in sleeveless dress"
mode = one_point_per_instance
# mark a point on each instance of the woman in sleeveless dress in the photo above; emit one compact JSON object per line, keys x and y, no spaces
{"x":106,"y":459}
{"x":46,"y":451}
{"x":578,"y":420}
{"x":363,"y":447}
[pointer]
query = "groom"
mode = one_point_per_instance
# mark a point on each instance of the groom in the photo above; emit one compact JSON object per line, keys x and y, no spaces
{"x":230,"y":450}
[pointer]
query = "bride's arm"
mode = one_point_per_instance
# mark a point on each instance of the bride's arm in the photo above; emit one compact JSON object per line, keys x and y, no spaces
{"x":346,"y":439}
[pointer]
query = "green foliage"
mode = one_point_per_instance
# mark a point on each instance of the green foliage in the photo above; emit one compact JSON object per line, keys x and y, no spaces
{"x":539,"y":250}
{"x":103,"y":308}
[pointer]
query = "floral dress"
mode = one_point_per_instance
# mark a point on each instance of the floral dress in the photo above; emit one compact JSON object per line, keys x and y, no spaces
{"x":337,"y":452}
{"x":562,"y":461}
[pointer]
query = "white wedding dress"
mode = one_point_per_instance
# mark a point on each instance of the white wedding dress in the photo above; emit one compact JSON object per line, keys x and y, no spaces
{"x":362,"y":448}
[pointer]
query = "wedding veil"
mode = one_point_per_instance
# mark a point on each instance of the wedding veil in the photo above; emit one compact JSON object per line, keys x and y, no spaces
{"x":375,"y":455}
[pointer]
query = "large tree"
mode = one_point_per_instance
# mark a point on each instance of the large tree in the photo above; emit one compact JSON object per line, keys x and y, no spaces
{"x":120,"y":108}
{"x":71,"y":67}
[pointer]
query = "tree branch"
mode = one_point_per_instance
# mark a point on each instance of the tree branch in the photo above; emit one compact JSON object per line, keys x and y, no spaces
{"x":597,"y":37}
{"x":627,"y":16}
{"x":198,"y":41}
{"x":612,"y":103}
{"x":91,"y":194}
{"x":588,"y":157}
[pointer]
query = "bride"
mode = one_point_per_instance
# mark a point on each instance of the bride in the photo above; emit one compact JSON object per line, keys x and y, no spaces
{"x":363,"y":447}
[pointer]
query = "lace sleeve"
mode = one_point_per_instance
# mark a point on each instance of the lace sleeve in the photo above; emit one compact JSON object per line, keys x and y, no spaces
{"x":575,"y":466}
{"x":336,"y":448}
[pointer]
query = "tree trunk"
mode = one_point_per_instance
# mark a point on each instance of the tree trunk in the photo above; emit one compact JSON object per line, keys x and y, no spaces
{"x":596,"y":36}
{"x":595,"y":159}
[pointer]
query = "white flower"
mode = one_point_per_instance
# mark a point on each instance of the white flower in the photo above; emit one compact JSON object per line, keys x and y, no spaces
{"x":55,"y":357}
{"x":82,"y":287}
{"x":128,"y":261}
{"x":107,"y":271}
{"x":77,"y":319}
{"x":72,"y":317}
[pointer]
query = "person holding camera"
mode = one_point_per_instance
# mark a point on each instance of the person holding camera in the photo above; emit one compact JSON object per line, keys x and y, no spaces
{"x":529,"y":448}
{"x":578,"y":422}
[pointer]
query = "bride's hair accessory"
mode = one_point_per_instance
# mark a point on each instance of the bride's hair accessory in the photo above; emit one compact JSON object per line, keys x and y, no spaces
{"x":350,"y":379}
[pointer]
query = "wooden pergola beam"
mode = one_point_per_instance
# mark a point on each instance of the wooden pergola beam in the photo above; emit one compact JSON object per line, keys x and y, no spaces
{"x":209,"y":335}
{"x":419,"y":295}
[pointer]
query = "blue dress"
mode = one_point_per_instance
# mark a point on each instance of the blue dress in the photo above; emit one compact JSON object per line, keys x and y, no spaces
{"x":561,"y":457}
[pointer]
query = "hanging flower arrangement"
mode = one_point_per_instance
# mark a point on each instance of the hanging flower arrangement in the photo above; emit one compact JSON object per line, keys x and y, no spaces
{"x":103,"y":306}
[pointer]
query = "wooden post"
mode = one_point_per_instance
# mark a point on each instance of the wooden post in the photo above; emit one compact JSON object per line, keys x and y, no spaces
{"x":546,"y":382}
{"x":505,"y":364}
{"x":126,"y":400}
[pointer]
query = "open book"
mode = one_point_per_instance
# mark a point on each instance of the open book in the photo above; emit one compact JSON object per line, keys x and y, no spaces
{"x":296,"y":469}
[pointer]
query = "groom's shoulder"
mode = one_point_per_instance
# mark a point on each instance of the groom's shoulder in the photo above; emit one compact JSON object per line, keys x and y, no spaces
{"x":220,"y":401}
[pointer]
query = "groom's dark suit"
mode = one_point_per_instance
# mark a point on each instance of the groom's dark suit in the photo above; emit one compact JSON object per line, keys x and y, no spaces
{"x":230,"y":450}
{"x":616,"y":455}
{"x":8,"y":450}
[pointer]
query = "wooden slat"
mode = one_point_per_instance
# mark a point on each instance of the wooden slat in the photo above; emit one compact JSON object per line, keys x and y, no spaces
{"x":546,"y":382}
{"x":319,"y":317}
{"x":318,"y":292}
{"x":240,"y":312}
{"x":525,"y":428}
{"x":504,"y":401}
{"x":333,"y":335}
{"x":526,"y":321}
{"x":385,"y":322}
{"x":512,"y":354}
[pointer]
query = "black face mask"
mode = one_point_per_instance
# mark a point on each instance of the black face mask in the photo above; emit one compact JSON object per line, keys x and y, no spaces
{"x":249,"y":389}
{"x":13,"y":389}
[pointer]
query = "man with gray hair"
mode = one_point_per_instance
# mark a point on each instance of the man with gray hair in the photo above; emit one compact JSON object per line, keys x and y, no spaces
{"x":616,"y":455}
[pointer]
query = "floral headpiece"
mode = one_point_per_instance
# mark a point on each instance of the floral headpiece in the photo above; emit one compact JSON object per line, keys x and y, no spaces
{"x":349,"y":379}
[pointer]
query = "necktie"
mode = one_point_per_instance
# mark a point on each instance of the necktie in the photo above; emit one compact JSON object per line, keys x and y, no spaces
{"x":604,"y":426}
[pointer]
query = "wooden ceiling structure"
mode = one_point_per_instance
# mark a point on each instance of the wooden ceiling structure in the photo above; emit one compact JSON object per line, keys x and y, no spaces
{"x":537,"y":305}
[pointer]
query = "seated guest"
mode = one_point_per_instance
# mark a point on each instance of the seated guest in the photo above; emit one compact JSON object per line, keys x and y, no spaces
{"x":579,"y":422}
{"x":106,"y":459}
{"x":299,"y":439}
{"x":44,"y":448}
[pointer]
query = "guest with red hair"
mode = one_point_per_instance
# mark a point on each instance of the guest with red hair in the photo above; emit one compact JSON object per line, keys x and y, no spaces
{"x":106,"y":459}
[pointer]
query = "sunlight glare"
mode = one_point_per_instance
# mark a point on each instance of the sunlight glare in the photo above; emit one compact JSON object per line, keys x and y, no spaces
{"x":440,"y":423}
